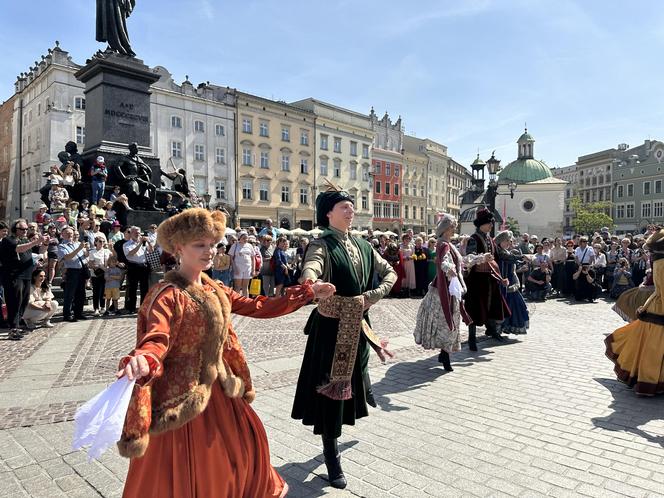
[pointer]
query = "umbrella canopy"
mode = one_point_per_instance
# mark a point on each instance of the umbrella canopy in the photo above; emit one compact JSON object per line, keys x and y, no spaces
{"x":355,"y":232}
{"x":283,"y":231}
{"x":364,"y":232}
{"x":315,"y":232}
{"x":230,"y":231}
{"x":378,"y":232}
{"x":299,"y":231}
{"x":389,"y":234}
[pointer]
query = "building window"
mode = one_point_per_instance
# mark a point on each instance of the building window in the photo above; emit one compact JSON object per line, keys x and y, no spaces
{"x":378,"y":210}
{"x":377,"y":169}
{"x":365,"y":172}
{"x":220,"y":189}
{"x":79,"y":103}
{"x":176,"y":149}
{"x":365,"y":202}
{"x":646,"y":188}
{"x":405,"y":211}
{"x":323,"y":166}
{"x":246,"y":125}
{"x":263,"y":130}
{"x":630,"y":210}
{"x":246,"y":157}
{"x":285,"y":193}
{"x":264,"y":191}
{"x":199,"y":152}
{"x":353,"y":148}
{"x":378,"y":187}
{"x":285,"y":162}
{"x":620,"y":211}
{"x":405,"y":189}
{"x":265,"y":159}
{"x":528,"y":205}
{"x":646,"y":210}
{"x":658,"y":186}
{"x":304,"y":195}
{"x":220,"y":155}
{"x":337,"y":145}
{"x":304,"y":137}
{"x":199,"y":126}
{"x":388,"y":169}
{"x":421,"y":190}
{"x":395,"y":210}
{"x":176,"y":122}
{"x":247,"y":190}
{"x":630,"y":189}
{"x":304,"y":166}
{"x":353,"y":171}
{"x":658,"y":209}
{"x":387,"y":188}
{"x":80,"y":134}
{"x":219,"y":130}
{"x":337,"y":168}
{"x":396,"y":189}
{"x":323,"y":142}
{"x":285,"y":134}
{"x":422,"y":213}
{"x":601,"y":195}
{"x":365,"y":151}
{"x":396,"y":170}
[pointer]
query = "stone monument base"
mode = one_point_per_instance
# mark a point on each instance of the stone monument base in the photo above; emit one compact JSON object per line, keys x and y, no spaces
{"x":144,"y":219}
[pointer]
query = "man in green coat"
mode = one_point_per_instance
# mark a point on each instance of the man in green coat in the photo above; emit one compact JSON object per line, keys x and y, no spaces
{"x":334,"y":387}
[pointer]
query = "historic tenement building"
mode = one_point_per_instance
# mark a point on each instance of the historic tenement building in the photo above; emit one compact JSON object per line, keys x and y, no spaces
{"x":7,"y":152}
{"x":571,"y":176}
{"x":276,"y":163}
{"x":387,"y":164}
{"x":459,"y":180}
{"x":343,"y":153}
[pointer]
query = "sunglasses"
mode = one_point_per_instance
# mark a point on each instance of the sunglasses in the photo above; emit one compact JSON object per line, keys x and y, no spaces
{"x":21,"y":229}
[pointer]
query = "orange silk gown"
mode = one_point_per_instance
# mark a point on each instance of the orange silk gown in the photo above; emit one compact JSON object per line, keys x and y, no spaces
{"x":223,"y":452}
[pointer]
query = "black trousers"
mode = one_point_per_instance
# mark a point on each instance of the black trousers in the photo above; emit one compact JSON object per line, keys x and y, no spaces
{"x":137,"y":276}
{"x":98,"y":285}
{"x":17,"y":295}
{"x":74,"y":293}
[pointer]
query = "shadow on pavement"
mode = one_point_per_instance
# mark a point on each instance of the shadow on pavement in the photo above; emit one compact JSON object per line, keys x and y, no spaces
{"x":630,"y":411}
{"x":296,"y":473}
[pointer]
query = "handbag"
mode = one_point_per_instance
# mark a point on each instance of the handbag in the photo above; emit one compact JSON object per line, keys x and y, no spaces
{"x":153,"y":259}
{"x":255,"y":287}
{"x":99,"y":272}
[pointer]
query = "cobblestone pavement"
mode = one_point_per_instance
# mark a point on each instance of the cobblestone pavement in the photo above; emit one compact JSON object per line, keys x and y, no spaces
{"x":541,"y":415}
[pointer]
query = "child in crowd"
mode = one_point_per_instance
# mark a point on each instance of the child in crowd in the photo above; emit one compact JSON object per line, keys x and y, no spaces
{"x":113,"y":276}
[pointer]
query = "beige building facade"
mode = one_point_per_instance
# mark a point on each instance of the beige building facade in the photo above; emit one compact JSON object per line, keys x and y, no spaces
{"x":276,"y":164}
{"x":414,"y":197}
{"x":459,"y":180}
{"x":343,"y":140}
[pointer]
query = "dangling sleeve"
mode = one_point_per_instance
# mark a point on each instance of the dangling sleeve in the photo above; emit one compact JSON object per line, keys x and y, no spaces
{"x":270,"y":307}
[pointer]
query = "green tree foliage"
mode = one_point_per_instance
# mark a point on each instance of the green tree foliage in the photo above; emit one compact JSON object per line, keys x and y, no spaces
{"x":590,"y":217}
{"x":513,"y":226}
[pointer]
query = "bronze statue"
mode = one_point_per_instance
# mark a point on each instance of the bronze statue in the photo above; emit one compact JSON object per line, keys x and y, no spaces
{"x":135,"y":178}
{"x":112,"y":24}
{"x":179,"y":179}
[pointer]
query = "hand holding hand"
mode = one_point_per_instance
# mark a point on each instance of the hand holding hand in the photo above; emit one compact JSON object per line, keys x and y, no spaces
{"x":323,"y":290}
{"x":488,"y":257}
{"x":136,"y":368}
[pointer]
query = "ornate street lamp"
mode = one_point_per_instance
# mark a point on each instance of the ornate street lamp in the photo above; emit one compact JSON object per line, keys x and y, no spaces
{"x":493,"y":165}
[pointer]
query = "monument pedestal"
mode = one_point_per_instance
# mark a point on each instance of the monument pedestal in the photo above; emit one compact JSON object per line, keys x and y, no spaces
{"x":117,"y":109}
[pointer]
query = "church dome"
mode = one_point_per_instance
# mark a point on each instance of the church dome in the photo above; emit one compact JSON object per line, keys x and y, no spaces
{"x":524,"y":171}
{"x":526,"y":168}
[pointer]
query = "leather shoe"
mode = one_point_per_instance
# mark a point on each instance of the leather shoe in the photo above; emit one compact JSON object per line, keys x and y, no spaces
{"x":334,"y":473}
{"x":81,"y":317}
{"x":70,"y":319}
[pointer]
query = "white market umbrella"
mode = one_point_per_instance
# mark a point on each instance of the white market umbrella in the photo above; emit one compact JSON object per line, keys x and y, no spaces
{"x":378,"y":232}
{"x":355,"y":232}
{"x":390,"y":234}
{"x":364,"y":233}
{"x":283,"y":231}
{"x":299,"y":231}
{"x":315,"y":232}
{"x":230,"y":231}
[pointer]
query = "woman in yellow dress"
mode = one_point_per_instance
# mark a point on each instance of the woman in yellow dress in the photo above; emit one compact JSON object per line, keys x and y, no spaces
{"x":637,"y":349}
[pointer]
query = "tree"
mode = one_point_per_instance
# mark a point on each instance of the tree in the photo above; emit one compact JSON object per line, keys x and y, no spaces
{"x":590,"y":217}
{"x":513,"y":226}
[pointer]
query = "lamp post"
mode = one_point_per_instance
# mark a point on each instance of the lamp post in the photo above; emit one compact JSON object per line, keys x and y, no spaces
{"x":493,"y":165}
{"x":206,"y":199}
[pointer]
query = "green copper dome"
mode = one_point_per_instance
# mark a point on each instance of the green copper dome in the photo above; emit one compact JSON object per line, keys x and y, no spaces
{"x":524,"y":171}
{"x":526,"y":137}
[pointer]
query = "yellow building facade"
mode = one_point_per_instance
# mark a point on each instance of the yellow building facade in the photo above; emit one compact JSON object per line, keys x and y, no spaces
{"x":275,"y":163}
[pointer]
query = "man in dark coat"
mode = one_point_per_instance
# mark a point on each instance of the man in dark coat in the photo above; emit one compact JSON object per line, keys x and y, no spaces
{"x":484,"y":301}
{"x":333,"y":388}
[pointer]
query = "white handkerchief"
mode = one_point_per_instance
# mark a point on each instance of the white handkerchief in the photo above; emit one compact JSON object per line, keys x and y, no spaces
{"x":99,"y":422}
{"x":455,"y":288}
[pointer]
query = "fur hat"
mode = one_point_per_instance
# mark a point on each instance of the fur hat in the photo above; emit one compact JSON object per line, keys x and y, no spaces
{"x":192,"y":224}
{"x":483,"y":217}
{"x":326,"y":201}
{"x":655,"y":244}
{"x":503,"y":236}
{"x":445,"y":222}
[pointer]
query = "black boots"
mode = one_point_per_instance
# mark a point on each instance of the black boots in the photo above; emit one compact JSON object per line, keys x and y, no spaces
{"x":472,"y":337}
{"x":444,"y":358}
{"x":492,"y":331}
{"x":333,"y":463}
{"x":368,"y":391}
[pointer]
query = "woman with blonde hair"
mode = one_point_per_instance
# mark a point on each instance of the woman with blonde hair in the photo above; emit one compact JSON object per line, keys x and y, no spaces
{"x":190,"y":430}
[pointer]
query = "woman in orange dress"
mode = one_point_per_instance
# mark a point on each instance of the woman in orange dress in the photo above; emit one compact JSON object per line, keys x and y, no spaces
{"x":189,"y":430}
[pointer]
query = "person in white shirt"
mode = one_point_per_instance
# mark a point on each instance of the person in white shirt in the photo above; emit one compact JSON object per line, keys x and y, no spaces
{"x":138,"y":273}
{"x":584,"y":254}
{"x":98,"y":256}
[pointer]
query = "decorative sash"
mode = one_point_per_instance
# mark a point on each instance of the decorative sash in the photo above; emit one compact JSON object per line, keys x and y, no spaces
{"x":349,"y":311}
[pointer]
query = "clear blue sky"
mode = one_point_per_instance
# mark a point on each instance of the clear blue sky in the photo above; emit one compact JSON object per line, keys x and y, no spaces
{"x":585,"y":75}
